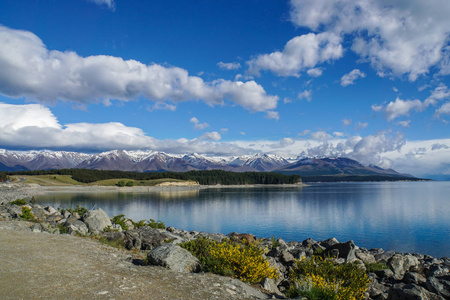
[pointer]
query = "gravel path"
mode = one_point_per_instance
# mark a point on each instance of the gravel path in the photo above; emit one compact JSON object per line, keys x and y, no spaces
{"x":44,"y":266}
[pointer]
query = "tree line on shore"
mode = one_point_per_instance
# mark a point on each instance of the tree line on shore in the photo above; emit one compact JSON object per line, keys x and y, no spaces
{"x":203,"y":177}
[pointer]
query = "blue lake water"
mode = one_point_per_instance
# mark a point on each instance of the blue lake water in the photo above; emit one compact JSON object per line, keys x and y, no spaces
{"x":403,"y":216}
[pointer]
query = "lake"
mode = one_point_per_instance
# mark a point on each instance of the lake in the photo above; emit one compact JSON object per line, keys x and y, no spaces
{"x":403,"y":216}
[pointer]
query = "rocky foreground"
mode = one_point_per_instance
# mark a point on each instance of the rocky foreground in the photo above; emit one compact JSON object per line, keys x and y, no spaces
{"x":408,"y":276}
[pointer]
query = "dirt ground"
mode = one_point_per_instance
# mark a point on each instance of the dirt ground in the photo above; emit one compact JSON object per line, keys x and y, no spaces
{"x":44,"y":266}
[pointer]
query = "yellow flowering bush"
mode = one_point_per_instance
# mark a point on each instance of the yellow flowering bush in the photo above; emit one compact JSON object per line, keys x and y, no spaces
{"x":318,"y":278}
{"x":243,"y":261}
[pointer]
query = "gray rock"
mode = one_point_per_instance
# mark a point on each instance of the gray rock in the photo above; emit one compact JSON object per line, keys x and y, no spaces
{"x":330,"y":242}
{"x":411,"y":292}
{"x":286,"y":257}
{"x":96,"y":220}
{"x":54,"y":217}
{"x":385,"y":256}
{"x":365,"y":256}
{"x":15,"y":211}
{"x":439,"y":285}
{"x":36,"y":227}
{"x":346,"y":250}
{"x":414,"y":278}
{"x":269,"y":285}
{"x":399,"y":264}
{"x":308,"y":243}
{"x":39,"y":213}
{"x":51,"y":210}
{"x":75,"y":226}
{"x":144,"y":238}
{"x":175,"y":258}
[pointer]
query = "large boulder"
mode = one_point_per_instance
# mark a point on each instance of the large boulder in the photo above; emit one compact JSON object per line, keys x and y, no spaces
{"x":411,"y":292}
{"x":175,"y":258}
{"x":145,"y":238}
{"x":346,"y":250}
{"x":75,"y":226}
{"x":399,"y":264}
{"x":96,"y":220}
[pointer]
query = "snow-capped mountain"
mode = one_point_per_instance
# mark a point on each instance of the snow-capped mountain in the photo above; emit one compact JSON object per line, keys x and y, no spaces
{"x":154,"y":161}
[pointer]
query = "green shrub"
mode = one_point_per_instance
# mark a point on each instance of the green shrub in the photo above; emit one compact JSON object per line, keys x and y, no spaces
{"x":243,"y":261}
{"x":122,"y":183}
{"x":27,"y":214}
{"x":120,"y":220}
{"x":19,"y":202}
{"x":376,"y":266}
{"x":63,"y":229}
{"x":275,"y":242}
{"x":80,"y":210}
{"x":156,"y":224}
{"x":130,"y":183}
{"x":317,"y":278}
{"x":138,"y":224}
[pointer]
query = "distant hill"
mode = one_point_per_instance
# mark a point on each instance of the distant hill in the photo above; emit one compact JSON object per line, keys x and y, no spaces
{"x":154,"y":161}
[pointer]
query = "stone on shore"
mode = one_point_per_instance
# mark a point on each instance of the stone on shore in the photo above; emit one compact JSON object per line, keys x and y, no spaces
{"x":175,"y":258}
{"x":96,"y":220}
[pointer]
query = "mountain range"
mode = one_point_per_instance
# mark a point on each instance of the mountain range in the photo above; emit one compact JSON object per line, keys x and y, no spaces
{"x":154,"y":161}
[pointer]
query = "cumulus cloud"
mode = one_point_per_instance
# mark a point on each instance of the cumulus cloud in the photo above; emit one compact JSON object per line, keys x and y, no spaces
{"x":272,"y":115}
{"x":346,"y":122}
{"x":444,"y":109}
{"x":316,"y":72}
{"x":211,"y":136}
{"x":404,"y":123}
{"x":399,"y":107}
{"x":320,"y":136}
{"x":361,"y":125}
{"x":350,"y":78}
{"x":402,"y":37}
{"x":28,"y":69}
{"x":108,"y":3}
{"x":197,"y":124}
{"x":300,"y":53}
{"x":229,"y":66}
{"x":162,"y":106}
{"x":306,"y":94}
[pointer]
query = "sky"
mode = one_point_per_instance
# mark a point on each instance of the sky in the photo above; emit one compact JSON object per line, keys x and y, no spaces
{"x":364,"y":79}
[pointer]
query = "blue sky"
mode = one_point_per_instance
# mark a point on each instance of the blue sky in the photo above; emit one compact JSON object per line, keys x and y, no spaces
{"x":363,"y":79}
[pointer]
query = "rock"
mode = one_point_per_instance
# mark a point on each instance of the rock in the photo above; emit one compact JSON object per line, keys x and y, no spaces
{"x":399,"y":264}
{"x":439,"y":285}
{"x":175,"y":258}
{"x":75,"y":226}
{"x":269,"y":285}
{"x":54,"y":217}
{"x":366,"y":257}
{"x":51,"y":210}
{"x":96,"y":220}
{"x":286,"y":257}
{"x":385,"y":256}
{"x":114,"y":235}
{"x":346,"y":250}
{"x":308,"y":243}
{"x":414,"y":278}
{"x":240,"y":237}
{"x":39,"y":213}
{"x":76,"y":215}
{"x":36,"y":227}
{"x":376,"y":289}
{"x":15,"y":211}
{"x":410,"y":291}
{"x":330,"y":242}
{"x":144,"y":238}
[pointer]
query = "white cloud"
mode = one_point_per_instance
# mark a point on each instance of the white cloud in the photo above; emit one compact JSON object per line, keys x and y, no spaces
{"x":320,"y":136}
{"x":162,"y":106}
{"x":306,"y":94}
{"x":224,"y":130}
{"x":404,"y":123}
{"x":346,"y":122}
{"x":350,"y":78}
{"x":300,"y":53}
{"x":108,"y":3}
{"x":338,"y":134}
{"x":444,"y":109}
{"x":229,"y":66}
{"x":28,"y":69}
{"x":197,"y":124}
{"x":34,"y":126}
{"x":316,"y":72}
{"x":360,"y":125}
{"x":272,"y":115}
{"x":402,"y":37}
{"x":399,"y":107}
{"x":211,"y":136}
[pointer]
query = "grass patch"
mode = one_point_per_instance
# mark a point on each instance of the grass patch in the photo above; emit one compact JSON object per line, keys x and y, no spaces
{"x":376,"y":266}
{"x":18,"y":202}
{"x":51,"y":180}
